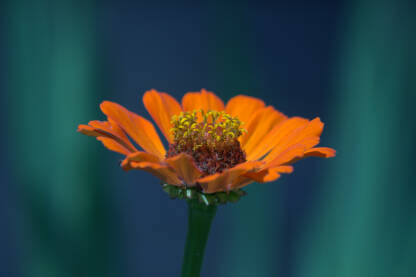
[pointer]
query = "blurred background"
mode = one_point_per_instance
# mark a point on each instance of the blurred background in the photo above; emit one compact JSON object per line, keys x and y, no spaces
{"x":66,"y":207}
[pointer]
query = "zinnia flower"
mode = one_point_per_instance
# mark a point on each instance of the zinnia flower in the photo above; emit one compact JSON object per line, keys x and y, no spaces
{"x":212,"y":147}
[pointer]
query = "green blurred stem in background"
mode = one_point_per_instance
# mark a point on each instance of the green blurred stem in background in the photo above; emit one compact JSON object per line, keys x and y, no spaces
{"x":199,"y":223}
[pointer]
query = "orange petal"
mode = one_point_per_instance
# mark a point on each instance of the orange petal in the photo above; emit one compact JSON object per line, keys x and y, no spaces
{"x":139,"y":129}
{"x":88,"y":130}
{"x":161,"y":106}
{"x":262,"y":176}
{"x":243,"y":107}
{"x":112,"y":127}
{"x":262,"y":122}
{"x":275,"y":136}
{"x":139,"y":156}
{"x":185,"y":168}
{"x":205,"y":100}
{"x":163,"y":172}
{"x":114,"y":146}
{"x":269,"y":174}
{"x":322,"y":152}
{"x":291,"y":153}
{"x":284,"y":169}
{"x":100,"y":129}
{"x":223,"y":181}
{"x":307,"y":134}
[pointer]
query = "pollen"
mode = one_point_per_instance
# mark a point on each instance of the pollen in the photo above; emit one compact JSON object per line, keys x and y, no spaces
{"x":211,"y":138}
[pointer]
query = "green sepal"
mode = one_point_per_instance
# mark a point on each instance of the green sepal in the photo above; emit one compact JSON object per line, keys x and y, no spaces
{"x":212,"y":199}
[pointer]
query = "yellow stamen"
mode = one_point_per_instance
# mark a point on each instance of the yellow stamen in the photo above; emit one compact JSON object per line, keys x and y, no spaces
{"x":212,"y":129}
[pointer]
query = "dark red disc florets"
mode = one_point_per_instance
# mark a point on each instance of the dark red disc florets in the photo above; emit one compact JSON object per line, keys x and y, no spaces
{"x":211,"y":160}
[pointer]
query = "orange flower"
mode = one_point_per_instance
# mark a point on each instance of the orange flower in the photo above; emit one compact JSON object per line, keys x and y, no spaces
{"x":212,"y":147}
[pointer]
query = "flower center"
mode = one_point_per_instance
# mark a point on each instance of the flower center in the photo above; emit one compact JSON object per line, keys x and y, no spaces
{"x":211,"y":138}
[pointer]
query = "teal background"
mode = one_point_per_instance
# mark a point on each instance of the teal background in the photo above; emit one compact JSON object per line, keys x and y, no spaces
{"x":66,"y":207}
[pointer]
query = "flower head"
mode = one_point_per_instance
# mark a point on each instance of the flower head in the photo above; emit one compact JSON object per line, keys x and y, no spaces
{"x":212,"y":148}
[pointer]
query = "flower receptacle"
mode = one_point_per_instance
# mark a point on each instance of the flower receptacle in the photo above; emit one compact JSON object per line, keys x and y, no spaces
{"x":211,"y":199}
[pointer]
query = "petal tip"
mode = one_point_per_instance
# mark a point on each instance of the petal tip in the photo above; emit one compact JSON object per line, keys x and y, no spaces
{"x":81,"y":127}
{"x":331,"y":153}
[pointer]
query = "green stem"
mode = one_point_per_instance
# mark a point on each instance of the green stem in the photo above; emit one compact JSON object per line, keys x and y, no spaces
{"x":199,"y":223}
